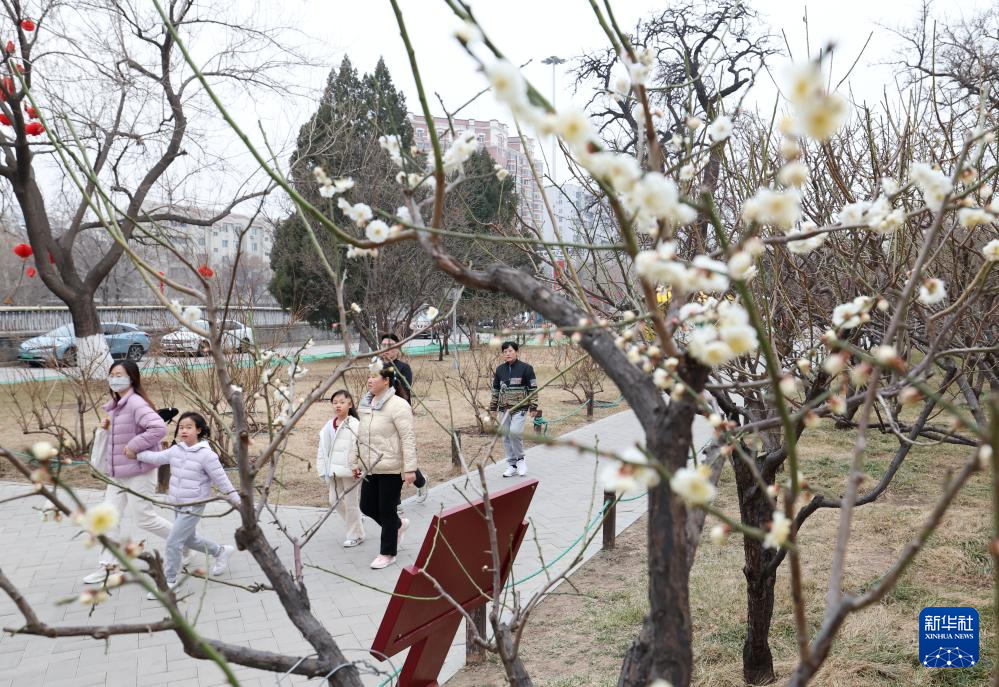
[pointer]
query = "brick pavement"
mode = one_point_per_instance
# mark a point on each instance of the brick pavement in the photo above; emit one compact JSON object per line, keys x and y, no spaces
{"x":46,"y":563}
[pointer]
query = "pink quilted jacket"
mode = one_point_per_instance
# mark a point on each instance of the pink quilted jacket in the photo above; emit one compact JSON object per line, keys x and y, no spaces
{"x":135,"y":424}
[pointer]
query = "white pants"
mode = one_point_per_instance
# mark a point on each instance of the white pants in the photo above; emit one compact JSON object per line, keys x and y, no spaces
{"x":144,"y":512}
{"x":348,"y":504}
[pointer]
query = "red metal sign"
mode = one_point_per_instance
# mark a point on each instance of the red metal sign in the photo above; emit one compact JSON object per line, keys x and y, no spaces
{"x":456,"y":553}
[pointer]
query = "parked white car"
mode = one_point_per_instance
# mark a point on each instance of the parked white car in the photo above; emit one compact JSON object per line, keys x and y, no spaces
{"x":236,"y":337}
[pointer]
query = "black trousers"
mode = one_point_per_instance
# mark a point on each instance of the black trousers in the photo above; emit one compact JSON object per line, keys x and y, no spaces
{"x":379,"y":497}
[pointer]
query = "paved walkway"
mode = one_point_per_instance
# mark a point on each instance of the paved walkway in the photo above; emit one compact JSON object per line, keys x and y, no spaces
{"x":46,"y":563}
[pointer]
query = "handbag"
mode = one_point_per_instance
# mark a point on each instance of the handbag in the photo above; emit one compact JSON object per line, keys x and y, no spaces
{"x":99,"y":451}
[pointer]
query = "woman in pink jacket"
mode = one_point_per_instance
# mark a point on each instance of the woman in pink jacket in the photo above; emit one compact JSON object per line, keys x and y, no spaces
{"x":133,"y":425}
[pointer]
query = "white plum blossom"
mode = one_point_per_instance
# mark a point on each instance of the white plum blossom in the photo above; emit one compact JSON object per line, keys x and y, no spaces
{"x":741,"y":267}
{"x":631,"y":473}
{"x":780,"y":209}
{"x":780,"y":530}
{"x":619,"y":170}
{"x":805,"y":245}
{"x":932,"y":291}
{"x":991,"y":251}
{"x":934,"y":184}
{"x":501,"y":171}
{"x":794,"y":174}
{"x":852,"y":314}
{"x":720,"y":129}
{"x":355,"y":252}
{"x":707,"y":274}
{"x":43,"y":450}
{"x":468,"y":33}
{"x":359,"y":213}
{"x":391,"y":144}
{"x":852,"y":214}
{"x":573,"y":126}
{"x":694,"y":123}
{"x":377,"y":231}
{"x":508,"y":84}
{"x":462,"y":148}
{"x":693,"y":485}
{"x":432,"y":312}
{"x":375,"y":366}
{"x":719,"y":535}
{"x":638,"y":73}
{"x":687,"y":172}
{"x":662,"y":379}
{"x":100,"y":518}
{"x":973,"y":217}
{"x":789,"y":149}
{"x":890,"y":222}
{"x":818,"y":113}
{"x":191,"y":314}
{"x":355,"y":307}
{"x":656,"y":196}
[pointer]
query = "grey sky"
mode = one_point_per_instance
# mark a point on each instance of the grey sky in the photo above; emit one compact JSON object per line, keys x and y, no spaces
{"x":532,"y":30}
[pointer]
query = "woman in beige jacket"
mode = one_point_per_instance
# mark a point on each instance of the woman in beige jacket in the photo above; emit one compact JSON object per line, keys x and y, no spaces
{"x":386,"y":456}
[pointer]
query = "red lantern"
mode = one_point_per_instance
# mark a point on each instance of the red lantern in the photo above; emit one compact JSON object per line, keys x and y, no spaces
{"x":27,"y":25}
{"x":20,"y":68}
{"x":5,"y":120}
{"x":32,"y":112}
{"x":8,"y":85}
{"x":23,"y":251}
{"x":34,"y":129}
{"x":206,"y":271}
{"x":10,"y":46}
{"x":31,"y":271}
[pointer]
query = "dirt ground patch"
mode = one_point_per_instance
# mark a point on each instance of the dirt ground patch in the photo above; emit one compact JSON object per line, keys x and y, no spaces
{"x":578,"y":636}
{"x":27,"y":406}
{"x":579,"y":633}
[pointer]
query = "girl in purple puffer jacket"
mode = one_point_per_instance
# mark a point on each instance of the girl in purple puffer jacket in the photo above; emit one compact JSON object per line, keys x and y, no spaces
{"x":194,"y":468}
{"x":133,"y":425}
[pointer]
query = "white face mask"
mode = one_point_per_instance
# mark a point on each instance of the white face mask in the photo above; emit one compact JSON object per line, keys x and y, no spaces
{"x":119,"y":384}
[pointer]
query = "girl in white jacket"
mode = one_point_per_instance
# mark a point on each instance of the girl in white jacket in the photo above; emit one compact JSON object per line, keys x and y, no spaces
{"x":337,"y":442}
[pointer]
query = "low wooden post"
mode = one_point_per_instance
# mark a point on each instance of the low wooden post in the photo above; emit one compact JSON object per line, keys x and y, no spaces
{"x":475,"y":654}
{"x":538,"y":426}
{"x":610,"y":516}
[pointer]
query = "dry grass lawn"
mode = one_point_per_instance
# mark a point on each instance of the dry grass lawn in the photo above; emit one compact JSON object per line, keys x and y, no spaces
{"x":437,"y":384}
{"x":578,"y":640}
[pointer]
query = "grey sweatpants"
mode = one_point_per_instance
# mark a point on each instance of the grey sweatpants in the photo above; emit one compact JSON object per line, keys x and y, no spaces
{"x":184,"y":535}
{"x":513,"y":436}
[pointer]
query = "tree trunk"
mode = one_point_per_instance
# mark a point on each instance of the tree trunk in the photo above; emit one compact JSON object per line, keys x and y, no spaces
{"x":663,"y":646}
{"x":755,"y":511}
{"x":91,"y":352}
{"x":589,"y":406}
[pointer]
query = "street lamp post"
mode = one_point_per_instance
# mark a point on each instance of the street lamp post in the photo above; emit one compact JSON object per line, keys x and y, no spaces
{"x":554,"y":61}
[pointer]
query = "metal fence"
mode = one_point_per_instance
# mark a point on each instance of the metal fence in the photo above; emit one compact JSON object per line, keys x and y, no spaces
{"x":14,"y":320}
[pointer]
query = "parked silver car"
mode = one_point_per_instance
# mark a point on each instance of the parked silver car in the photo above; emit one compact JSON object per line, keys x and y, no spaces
{"x":236,"y":337}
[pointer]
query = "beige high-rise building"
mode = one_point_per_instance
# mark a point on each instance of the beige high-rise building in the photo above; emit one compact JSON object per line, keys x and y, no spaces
{"x":509,"y":151}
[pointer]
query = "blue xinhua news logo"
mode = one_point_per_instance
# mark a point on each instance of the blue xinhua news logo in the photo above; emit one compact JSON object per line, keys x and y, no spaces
{"x":948,"y":637}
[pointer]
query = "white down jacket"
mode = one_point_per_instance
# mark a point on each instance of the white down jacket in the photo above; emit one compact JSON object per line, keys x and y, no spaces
{"x":193,"y":471}
{"x":336,"y":447}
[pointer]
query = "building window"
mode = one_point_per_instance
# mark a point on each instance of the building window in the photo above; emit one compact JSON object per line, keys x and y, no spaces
{"x":201,"y":241}
{"x":225,"y":244}
{"x":254,"y":248}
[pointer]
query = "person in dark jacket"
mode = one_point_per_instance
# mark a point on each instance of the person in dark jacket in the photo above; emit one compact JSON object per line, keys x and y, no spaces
{"x":404,"y":390}
{"x":514,"y":394}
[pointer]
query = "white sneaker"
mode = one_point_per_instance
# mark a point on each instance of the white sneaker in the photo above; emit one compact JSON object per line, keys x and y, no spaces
{"x":351,"y":543}
{"x":510,"y":471}
{"x":382,"y":562}
{"x":222,"y":560}
{"x":522,"y":467}
{"x":99,"y":575}
{"x":172,"y":585}
{"x":424,"y":491}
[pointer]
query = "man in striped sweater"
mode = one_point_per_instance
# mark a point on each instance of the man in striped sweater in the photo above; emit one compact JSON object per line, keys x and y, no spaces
{"x":515,"y":393}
